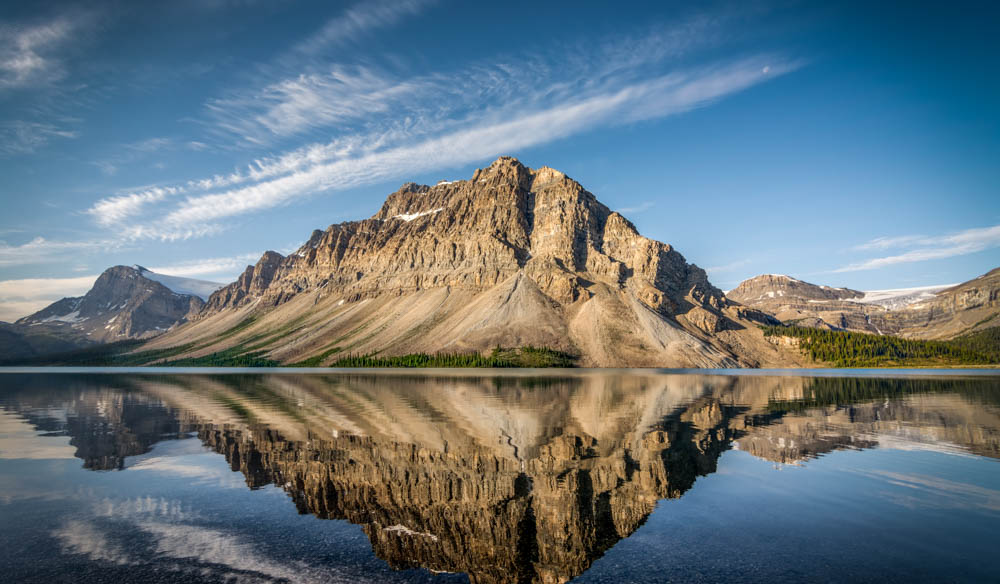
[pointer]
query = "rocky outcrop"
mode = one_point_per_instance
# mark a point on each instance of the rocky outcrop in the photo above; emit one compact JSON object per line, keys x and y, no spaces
{"x":122,"y":304}
{"x":961,"y":309}
{"x":513,"y":256}
{"x":250,"y":286}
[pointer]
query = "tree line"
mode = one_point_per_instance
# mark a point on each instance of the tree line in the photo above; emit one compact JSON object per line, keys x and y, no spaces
{"x":851,"y":349}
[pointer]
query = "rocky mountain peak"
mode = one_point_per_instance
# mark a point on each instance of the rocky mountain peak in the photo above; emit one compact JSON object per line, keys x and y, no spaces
{"x":122,"y":304}
{"x":511,"y":256}
{"x":778,"y":286}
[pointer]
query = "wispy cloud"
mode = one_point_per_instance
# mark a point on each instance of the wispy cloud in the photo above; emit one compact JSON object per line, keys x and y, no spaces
{"x":923,"y":248}
{"x":22,"y":297}
{"x":129,"y":153}
{"x":40,"y":250}
{"x":291,"y":106}
{"x":26,"y":52}
{"x":224,"y":266}
{"x":325,"y":95}
{"x":321,"y":92}
{"x":25,"y":137}
{"x":111,"y":210}
{"x":359,"y":20}
{"x":342,"y":164}
{"x":387,"y":123}
{"x":643,"y":206}
{"x":727,"y":267}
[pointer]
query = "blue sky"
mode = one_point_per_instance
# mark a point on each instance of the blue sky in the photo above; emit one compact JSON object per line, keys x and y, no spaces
{"x":844,"y":144}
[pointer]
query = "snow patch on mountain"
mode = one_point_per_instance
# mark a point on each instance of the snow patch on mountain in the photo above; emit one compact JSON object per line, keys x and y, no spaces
{"x":71,"y":317}
{"x":411,"y":216}
{"x":200,"y":288}
{"x":900,"y":297}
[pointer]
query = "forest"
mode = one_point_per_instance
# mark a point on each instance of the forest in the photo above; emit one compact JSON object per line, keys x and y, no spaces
{"x":852,"y":349}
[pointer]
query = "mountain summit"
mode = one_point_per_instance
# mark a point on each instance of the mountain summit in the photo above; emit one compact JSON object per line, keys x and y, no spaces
{"x":126,"y":302}
{"x":513,"y":256}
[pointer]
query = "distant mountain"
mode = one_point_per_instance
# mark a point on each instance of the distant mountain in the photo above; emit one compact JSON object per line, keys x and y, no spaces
{"x":929,"y":312}
{"x":511,"y":257}
{"x":124,"y":303}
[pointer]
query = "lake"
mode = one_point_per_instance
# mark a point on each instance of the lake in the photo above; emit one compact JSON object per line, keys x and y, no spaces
{"x":491,"y":476}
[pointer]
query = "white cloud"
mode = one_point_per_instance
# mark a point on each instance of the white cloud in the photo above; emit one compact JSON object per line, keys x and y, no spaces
{"x":115,"y":209}
{"x":23,"y":297}
{"x":926,"y":248}
{"x":227,"y":267}
{"x":386,"y":125}
{"x":353,"y":98}
{"x":311,"y":173}
{"x":25,"y":53}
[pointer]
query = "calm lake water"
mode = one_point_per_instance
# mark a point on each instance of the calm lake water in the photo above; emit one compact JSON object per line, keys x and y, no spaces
{"x":483,"y":476}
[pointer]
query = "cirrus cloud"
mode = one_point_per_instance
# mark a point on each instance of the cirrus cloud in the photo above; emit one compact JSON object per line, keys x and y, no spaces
{"x":924,"y":248}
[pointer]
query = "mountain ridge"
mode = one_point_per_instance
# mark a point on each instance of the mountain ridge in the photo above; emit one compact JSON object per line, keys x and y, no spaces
{"x":513,"y":256}
{"x":925,"y":312}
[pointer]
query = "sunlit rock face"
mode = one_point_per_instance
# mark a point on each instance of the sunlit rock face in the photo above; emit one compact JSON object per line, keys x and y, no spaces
{"x":513,"y":256}
{"x":525,"y":479}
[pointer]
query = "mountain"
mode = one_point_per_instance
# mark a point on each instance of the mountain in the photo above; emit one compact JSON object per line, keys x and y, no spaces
{"x":124,"y":303}
{"x":793,"y":301}
{"x":511,"y":257}
{"x":930,"y":312}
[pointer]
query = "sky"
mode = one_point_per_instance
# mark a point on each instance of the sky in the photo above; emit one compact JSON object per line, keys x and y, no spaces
{"x":846,"y":144}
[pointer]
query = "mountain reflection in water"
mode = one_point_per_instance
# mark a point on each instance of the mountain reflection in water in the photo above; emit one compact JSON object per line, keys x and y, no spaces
{"x":507,"y":478}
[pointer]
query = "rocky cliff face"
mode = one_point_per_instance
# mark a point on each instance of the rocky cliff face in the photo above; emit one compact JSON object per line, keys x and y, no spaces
{"x":512,"y":256}
{"x":967,"y":307}
{"x":942,"y":314}
{"x":123,"y":304}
